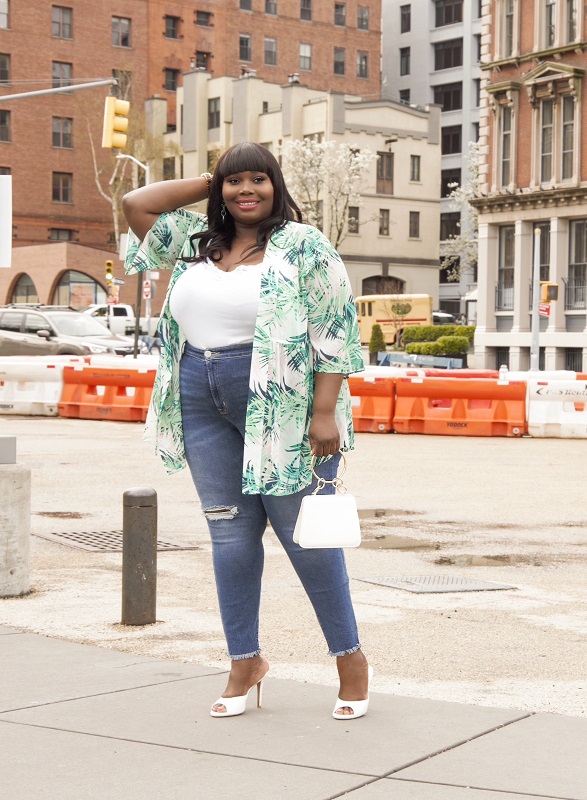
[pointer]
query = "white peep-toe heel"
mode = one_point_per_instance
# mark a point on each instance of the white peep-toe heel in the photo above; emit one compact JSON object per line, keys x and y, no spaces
{"x":237,"y":705}
{"x":359,"y":707}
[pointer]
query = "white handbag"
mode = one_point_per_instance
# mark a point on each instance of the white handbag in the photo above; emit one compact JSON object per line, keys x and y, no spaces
{"x":328,"y":520}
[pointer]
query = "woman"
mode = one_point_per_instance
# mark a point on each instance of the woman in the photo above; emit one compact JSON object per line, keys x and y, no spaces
{"x":258,"y":332}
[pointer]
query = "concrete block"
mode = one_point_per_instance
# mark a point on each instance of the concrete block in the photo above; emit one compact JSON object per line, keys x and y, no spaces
{"x":7,"y":449}
{"x":15,"y":516}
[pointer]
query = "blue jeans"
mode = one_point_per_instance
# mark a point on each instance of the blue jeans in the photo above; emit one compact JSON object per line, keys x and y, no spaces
{"x":214,"y":391}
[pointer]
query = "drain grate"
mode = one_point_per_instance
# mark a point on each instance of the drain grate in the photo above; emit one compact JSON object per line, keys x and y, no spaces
{"x":436,"y":583}
{"x":103,"y":541}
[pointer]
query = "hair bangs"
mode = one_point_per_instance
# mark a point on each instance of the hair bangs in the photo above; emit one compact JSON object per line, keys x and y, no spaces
{"x":246,"y":157}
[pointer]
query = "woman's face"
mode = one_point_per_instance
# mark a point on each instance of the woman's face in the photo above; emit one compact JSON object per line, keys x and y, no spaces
{"x":248,"y":197}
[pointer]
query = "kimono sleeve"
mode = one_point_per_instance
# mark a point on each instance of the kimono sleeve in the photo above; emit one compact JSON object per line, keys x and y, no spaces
{"x":164,"y":243}
{"x":332,"y":316}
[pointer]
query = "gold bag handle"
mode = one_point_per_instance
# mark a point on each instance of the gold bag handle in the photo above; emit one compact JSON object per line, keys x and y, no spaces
{"x":336,"y":482}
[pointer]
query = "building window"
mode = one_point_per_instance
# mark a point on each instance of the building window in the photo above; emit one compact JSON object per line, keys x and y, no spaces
{"x":353,"y":220}
{"x":574,"y":359}
{"x":171,"y":79}
{"x":571,"y":19}
{"x":405,"y":19}
{"x":448,"y":54}
{"x":61,"y":22}
{"x":202,"y":60}
{"x":549,"y":23}
{"x":244,"y":47}
{"x":5,"y":170}
{"x":362,"y":64}
{"x":271,"y":52}
{"x":505,"y":271}
{"x":4,"y":68}
{"x":246,"y":5}
{"x":4,"y":126}
{"x":449,"y":96}
{"x":449,"y":225}
{"x":340,"y":14}
{"x":171,"y":27}
{"x":169,"y":168}
{"x":546,"y":130}
{"x":339,"y":60}
{"x":213,"y":113}
{"x":124,"y":82}
{"x":575,"y":290}
{"x":404,"y":61}
{"x":271,"y":7}
{"x":120,"y":32}
{"x":404,"y":95}
{"x":449,"y":177}
{"x":475,"y":127}
{"x":414,"y":224}
{"x":4,"y":14}
{"x":306,"y":9}
{"x":62,"y":73}
{"x":508,"y":28}
{"x":384,"y":173}
{"x":62,"y":132}
{"x":448,"y":12}
{"x":384,"y":222}
{"x":204,"y":19}
{"x":62,"y":187}
{"x":568,"y":137}
{"x":306,"y":56}
{"x":544,"y":228}
{"x":61,"y":234}
{"x":414,"y":168}
{"x":506,"y":145}
{"x":451,"y":139}
{"x":363,"y":18}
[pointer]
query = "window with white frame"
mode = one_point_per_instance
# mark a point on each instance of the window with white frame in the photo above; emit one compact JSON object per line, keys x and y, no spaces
{"x":505,"y":269}
{"x":62,"y":132}
{"x":571,"y":20}
{"x":576,"y":285}
{"x":363,"y":18}
{"x":4,"y":126}
{"x":271,"y":7}
{"x":339,"y":60}
{"x":4,"y":14}
{"x":505,"y":145}
{"x":504,"y":99}
{"x":568,"y":138}
{"x":340,"y":14}
{"x":5,"y":68}
{"x":305,"y":56}
{"x":508,"y":28}
{"x":544,"y":255}
{"x":62,"y":73}
{"x":415,"y":168}
{"x":121,"y":31}
{"x":362,"y":64}
{"x":414,"y":231}
{"x":384,"y":222}
{"x":353,"y":219}
{"x":546,"y":141}
{"x":306,"y":9}
{"x":270,"y":48}
{"x":61,"y":22}
{"x":244,"y":47}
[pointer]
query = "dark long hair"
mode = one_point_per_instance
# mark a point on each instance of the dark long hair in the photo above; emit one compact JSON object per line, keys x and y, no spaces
{"x":244,"y":157}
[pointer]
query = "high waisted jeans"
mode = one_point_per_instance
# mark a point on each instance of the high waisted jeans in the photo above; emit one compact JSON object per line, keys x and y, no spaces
{"x":214,"y":391}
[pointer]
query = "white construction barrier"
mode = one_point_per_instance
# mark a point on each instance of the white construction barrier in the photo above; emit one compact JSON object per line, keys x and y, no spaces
{"x":31,"y":387}
{"x":557,"y":409}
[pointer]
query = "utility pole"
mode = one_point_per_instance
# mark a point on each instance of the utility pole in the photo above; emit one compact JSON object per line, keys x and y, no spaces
{"x":535,"y":343}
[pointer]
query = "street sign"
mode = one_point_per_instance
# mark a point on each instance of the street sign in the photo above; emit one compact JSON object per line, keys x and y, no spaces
{"x":118,"y":281}
{"x":147,"y":290}
{"x":544,"y":309}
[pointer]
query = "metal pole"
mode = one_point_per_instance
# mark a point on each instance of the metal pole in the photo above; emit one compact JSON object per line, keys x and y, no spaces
{"x":535,"y":343}
{"x":139,"y":557}
{"x":60,"y":89}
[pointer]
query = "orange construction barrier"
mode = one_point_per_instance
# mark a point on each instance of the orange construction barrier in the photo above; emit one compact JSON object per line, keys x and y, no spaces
{"x":102,"y":393}
{"x":431,"y":372}
{"x":453,"y":407}
{"x":373,"y":402}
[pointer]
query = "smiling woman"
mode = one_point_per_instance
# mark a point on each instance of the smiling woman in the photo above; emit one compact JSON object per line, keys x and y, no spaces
{"x":259,"y":333}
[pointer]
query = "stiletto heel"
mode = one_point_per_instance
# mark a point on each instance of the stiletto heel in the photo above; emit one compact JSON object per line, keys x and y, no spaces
{"x":359,"y":707}
{"x":237,"y":705}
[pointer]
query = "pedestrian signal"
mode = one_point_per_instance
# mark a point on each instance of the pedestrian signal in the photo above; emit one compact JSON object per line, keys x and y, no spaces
{"x":115,"y":122}
{"x":109,"y":271}
{"x":548,"y":291}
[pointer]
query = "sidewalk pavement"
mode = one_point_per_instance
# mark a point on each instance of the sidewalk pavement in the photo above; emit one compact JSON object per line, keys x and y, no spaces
{"x":82,"y":721}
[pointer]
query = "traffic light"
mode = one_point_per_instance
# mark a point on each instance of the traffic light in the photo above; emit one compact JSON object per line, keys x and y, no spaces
{"x":548,"y":291}
{"x":109,"y":271}
{"x":115,"y":122}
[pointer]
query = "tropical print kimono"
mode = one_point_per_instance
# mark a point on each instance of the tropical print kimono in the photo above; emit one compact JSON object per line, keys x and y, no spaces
{"x":306,"y":322}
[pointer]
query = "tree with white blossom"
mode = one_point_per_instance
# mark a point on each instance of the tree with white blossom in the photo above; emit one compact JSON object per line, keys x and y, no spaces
{"x":325,"y":178}
{"x":461,"y":252}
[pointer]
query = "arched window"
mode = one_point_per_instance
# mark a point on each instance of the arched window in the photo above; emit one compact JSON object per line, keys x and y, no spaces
{"x":78,"y":291}
{"x":383,"y":284}
{"x":24,"y":291}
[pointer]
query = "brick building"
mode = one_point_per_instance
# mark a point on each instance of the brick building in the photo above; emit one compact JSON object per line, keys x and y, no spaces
{"x":533,"y":176}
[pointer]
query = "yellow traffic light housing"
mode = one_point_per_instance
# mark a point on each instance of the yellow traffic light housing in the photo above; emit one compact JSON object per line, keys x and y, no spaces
{"x":109,"y":271}
{"x":548,"y":291}
{"x":115,"y":122}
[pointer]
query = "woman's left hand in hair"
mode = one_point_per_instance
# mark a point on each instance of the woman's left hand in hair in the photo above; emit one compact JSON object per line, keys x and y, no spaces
{"x":324,"y":435}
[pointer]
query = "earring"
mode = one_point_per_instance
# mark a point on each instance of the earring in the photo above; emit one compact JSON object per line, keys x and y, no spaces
{"x":223,"y":213}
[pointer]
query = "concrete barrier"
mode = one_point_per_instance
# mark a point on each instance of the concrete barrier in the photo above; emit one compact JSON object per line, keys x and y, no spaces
{"x":15,"y":516}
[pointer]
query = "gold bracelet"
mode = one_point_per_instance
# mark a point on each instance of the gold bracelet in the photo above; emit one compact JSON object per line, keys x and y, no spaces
{"x":208,"y":178}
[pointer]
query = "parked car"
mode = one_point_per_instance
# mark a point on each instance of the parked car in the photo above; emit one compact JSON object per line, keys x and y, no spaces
{"x":39,"y":330}
{"x":443,"y":318}
{"x":120,"y":318}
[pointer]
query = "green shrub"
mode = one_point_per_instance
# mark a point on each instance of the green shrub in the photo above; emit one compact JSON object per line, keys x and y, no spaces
{"x":428,"y":333}
{"x":465,"y":330}
{"x":453,"y":345}
{"x":423,"y":349}
{"x":377,"y":342}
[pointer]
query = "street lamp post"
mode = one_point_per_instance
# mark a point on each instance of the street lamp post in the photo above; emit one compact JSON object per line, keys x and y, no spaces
{"x":535,"y":340}
{"x":147,"y":273}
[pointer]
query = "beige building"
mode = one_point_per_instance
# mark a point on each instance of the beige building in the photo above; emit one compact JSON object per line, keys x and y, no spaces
{"x":396,"y":244}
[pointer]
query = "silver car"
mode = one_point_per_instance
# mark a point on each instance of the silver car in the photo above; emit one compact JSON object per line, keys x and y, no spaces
{"x":36,"y":330}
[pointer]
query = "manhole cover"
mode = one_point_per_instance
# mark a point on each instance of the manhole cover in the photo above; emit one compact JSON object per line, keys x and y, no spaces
{"x":103,"y":541}
{"x":436,"y":583}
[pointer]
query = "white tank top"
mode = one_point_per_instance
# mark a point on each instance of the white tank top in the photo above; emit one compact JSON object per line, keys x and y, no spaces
{"x":214,"y":308}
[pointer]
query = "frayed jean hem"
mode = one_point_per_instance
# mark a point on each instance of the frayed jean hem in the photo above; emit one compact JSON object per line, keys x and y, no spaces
{"x":345,"y":652}
{"x":245,"y":655}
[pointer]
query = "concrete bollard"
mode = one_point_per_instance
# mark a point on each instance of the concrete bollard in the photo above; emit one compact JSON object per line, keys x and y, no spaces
{"x":139,"y":557}
{"x":15,"y":521}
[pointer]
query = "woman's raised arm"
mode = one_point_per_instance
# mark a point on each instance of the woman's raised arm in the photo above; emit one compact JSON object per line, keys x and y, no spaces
{"x":143,"y":206}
